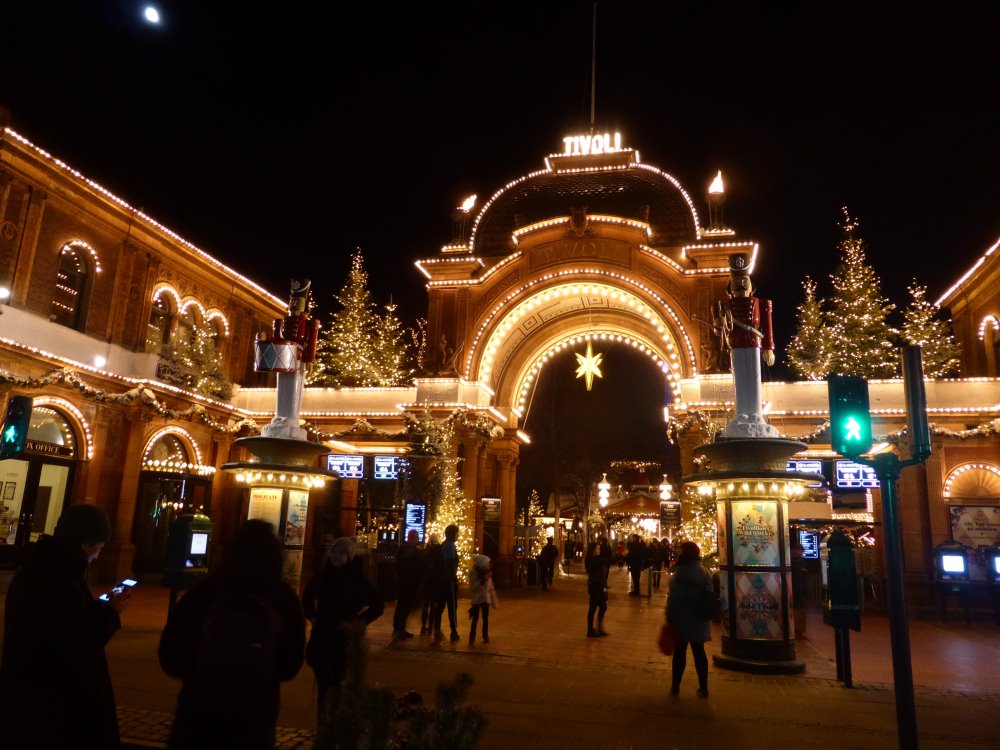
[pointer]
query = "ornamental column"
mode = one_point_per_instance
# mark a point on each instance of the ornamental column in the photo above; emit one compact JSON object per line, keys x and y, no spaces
{"x":116,"y":559}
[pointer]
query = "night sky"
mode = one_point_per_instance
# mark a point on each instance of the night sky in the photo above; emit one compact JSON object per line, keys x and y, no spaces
{"x":279,"y":131}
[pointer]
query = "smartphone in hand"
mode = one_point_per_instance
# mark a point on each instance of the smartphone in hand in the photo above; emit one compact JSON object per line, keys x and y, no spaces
{"x":126,"y":583}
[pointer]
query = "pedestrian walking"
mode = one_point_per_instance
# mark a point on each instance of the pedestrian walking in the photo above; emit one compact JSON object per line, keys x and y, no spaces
{"x":688,"y":583}
{"x":337,"y":602}
{"x":428,"y":586}
{"x":484,"y":596}
{"x":232,"y":639}
{"x":55,"y":688}
{"x":411,"y":567}
{"x":445,"y":580}
{"x":655,"y":552}
{"x":596,"y":590}
{"x":635,"y":558}
{"x":547,"y":563}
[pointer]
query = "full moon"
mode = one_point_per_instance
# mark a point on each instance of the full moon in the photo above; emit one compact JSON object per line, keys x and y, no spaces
{"x":151,"y":14}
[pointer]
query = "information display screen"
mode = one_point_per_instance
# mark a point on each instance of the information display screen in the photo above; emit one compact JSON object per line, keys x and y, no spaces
{"x":953,"y":563}
{"x":807,"y":466}
{"x":348,"y":467}
{"x":810,"y":544}
{"x":416,"y":519}
{"x":386,"y":467}
{"x":199,"y":544}
{"x":852,"y":475}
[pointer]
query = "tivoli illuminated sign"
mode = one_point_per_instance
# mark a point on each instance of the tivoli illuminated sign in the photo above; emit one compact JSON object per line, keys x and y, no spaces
{"x":595,"y":143}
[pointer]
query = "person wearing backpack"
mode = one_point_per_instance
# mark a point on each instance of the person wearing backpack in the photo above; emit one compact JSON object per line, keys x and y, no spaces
{"x":690,"y":586}
{"x":336,"y":601}
{"x":233,"y":639}
{"x":55,"y":687}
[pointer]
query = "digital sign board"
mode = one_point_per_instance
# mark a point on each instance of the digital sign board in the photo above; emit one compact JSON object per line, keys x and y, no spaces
{"x":810,"y":544}
{"x":348,"y":467}
{"x":852,"y":475}
{"x":807,"y":466}
{"x":386,"y":467}
{"x":415,"y":519}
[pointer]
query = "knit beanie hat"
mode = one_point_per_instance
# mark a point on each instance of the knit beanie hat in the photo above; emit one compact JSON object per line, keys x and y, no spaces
{"x":84,"y":524}
{"x":346,"y":544}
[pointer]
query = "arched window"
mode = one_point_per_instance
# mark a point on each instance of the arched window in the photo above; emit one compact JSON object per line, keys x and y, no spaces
{"x":187,"y":325}
{"x":69,"y":299}
{"x":160,"y":322}
{"x":989,"y":334}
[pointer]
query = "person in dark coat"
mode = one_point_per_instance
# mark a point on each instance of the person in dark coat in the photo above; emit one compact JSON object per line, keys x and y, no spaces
{"x":55,"y":688}
{"x":338,"y":599}
{"x":213,"y":709}
{"x":428,"y":593}
{"x":597,"y":575}
{"x":636,"y":560}
{"x":687,"y":581}
{"x":411,"y":565}
{"x":547,"y":563}
{"x":444,"y":574}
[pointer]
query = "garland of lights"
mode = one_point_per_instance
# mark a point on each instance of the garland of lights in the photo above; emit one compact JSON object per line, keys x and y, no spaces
{"x":695,"y":417}
{"x":145,"y":395}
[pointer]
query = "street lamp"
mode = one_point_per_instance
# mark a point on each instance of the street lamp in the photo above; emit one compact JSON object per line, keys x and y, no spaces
{"x":666,"y":489}
{"x":603,"y":491}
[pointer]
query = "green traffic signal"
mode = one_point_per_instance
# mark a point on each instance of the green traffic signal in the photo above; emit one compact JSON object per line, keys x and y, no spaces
{"x":14,"y":434}
{"x":850,"y":415}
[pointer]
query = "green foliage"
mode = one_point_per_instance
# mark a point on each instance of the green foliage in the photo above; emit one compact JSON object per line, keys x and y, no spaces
{"x":808,"y":351}
{"x":452,"y":725}
{"x":357,"y":716}
{"x":922,"y":327}
{"x":861,"y":339}
{"x":191,"y":360}
{"x":358,"y":347}
{"x":360,"y":716}
{"x":535,"y":507}
{"x":700,"y":524}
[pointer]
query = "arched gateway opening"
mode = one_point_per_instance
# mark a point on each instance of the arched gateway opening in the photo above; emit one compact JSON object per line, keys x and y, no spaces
{"x":595,"y":245}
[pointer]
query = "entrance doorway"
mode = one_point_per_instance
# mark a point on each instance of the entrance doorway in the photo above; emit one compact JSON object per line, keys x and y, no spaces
{"x":35,"y":486}
{"x":170,"y":485}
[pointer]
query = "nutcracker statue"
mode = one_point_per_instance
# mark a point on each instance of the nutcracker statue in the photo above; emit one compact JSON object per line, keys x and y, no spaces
{"x":289,"y":350}
{"x":743,"y":322}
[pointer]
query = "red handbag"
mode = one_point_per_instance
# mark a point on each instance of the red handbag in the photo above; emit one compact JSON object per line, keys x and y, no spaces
{"x":667,"y":638}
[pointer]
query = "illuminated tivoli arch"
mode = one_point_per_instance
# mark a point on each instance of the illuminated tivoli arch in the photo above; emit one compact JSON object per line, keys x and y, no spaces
{"x":515,"y":340}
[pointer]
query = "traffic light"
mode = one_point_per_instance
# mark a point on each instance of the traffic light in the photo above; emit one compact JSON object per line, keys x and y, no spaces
{"x":850,"y":416}
{"x":14,"y":435}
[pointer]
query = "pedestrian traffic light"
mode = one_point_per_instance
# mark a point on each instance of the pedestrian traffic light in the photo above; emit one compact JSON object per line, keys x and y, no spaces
{"x":850,"y":416}
{"x":14,"y":435}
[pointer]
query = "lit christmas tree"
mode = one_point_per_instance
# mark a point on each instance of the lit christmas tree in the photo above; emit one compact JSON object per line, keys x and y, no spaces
{"x":192,"y":361}
{"x":390,"y":350}
{"x":452,"y":507}
{"x":700,"y":524}
{"x":861,"y":340}
{"x":535,"y":509}
{"x":922,"y":327}
{"x":808,"y":351}
{"x":347,"y":354}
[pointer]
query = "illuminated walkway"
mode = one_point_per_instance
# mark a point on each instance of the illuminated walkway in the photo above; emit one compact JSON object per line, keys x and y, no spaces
{"x":542,"y":684}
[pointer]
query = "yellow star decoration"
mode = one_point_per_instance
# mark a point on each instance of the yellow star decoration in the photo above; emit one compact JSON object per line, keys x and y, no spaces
{"x":589,"y":366}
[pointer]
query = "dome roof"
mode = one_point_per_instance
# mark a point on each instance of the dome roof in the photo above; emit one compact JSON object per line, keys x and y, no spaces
{"x":638,"y":192}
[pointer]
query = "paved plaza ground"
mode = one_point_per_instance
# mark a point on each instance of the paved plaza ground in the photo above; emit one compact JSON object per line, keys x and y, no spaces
{"x":542,"y":684}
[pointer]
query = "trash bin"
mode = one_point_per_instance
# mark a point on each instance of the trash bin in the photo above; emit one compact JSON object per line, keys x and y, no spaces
{"x":532,"y":571}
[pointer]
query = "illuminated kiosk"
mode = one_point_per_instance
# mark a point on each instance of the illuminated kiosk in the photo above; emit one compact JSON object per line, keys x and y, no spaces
{"x":751,"y":486}
{"x":746,"y":473}
{"x":282,"y":468}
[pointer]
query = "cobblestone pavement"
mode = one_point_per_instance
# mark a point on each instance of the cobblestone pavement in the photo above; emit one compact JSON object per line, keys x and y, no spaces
{"x":141,"y":728}
{"x":541,"y":683}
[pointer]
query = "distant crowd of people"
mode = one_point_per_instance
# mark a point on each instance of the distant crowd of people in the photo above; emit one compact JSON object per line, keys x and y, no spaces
{"x":233,"y":637}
